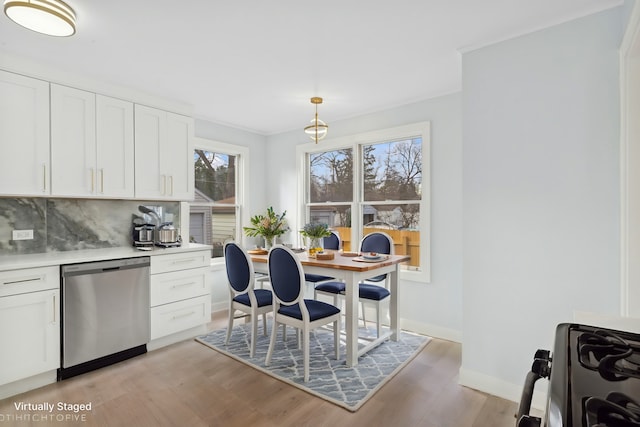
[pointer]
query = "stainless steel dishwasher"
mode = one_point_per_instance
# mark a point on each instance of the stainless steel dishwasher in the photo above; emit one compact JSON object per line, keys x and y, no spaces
{"x":105,"y":313}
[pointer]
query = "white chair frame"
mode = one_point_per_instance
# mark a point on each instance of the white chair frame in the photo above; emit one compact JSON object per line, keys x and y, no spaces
{"x":305,"y":325}
{"x":253,"y":311}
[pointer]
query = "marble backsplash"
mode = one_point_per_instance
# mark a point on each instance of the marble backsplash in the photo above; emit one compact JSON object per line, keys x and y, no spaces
{"x":71,"y":224}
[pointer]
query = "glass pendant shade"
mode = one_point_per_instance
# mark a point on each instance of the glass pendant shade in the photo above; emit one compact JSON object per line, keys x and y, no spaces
{"x":51,"y":17}
{"x":317,"y":129}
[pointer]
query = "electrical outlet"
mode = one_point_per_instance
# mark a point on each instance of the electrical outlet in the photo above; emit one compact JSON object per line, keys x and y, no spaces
{"x":22,"y":234}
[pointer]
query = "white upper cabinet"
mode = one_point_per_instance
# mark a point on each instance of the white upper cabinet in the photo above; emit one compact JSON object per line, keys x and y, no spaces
{"x":91,"y":144}
{"x":115,"y":150}
{"x":24,"y":136}
{"x":164,"y":153}
{"x":73,"y":142}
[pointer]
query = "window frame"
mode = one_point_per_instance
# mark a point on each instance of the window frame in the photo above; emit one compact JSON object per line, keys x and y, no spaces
{"x":242,"y":178}
{"x":356,"y":142}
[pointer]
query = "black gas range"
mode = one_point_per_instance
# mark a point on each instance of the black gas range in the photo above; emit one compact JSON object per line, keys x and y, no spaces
{"x":594,"y":379}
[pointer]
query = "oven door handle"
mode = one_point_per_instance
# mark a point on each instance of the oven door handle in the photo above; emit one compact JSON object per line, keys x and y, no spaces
{"x":541,"y":368}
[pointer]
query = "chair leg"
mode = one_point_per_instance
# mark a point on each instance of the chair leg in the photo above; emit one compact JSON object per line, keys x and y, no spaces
{"x":264,"y":323}
{"x":336,"y":337}
{"x":364,"y":317}
{"x":272,"y":342}
{"x":229,"y":325}
{"x":254,"y":333}
{"x":305,"y":343}
{"x":378,"y":311}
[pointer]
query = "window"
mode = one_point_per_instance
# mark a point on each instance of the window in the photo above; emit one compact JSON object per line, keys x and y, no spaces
{"x":214,"y":214}
{"x":376,"y":181}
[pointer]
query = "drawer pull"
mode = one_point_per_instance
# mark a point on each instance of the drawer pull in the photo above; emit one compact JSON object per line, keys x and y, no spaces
{"x":31,"y":279}
{"x":180,"y":316}
{"x":182,"y":261}
{"x":183,"y":285}
{"x":54,"y":309}
{"x":44,"y":177}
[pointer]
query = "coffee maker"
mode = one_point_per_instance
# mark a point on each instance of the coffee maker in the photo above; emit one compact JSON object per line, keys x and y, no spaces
{"x":142,"y":233}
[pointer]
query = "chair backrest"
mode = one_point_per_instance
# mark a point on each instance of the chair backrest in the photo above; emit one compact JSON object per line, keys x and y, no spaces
{"x":286,"y":275}
{"x":333,"y":241}
{"x":239,"y":268}
{"x":377,"y":242}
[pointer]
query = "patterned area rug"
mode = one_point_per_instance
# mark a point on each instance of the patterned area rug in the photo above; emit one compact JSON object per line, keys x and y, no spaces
{"x":329,"y":379}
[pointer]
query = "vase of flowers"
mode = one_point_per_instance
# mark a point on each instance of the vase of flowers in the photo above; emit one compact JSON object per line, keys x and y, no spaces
{"x":267,"y":226}
{"x":314,"y":234}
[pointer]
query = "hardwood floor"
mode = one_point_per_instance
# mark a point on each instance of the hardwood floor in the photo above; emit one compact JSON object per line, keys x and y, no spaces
{"x":188,"y":384}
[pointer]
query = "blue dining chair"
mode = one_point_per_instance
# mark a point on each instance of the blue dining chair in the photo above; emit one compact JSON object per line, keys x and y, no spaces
{"x":290,"y":307}
{"x":329,"y":242}
{"x":370,"y":291}
{"x":327,"y":285}
{"x":243,"y":296}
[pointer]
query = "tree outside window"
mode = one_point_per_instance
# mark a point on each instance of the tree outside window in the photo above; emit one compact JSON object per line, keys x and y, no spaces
{"x":390,"y":176}
{"x":213,"y":213}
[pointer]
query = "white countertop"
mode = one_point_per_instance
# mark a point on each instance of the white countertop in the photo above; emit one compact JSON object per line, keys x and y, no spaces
{"x":16,"y":262}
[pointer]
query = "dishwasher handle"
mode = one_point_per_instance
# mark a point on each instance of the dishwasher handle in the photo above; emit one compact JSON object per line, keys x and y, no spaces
{"x":87,"y":268}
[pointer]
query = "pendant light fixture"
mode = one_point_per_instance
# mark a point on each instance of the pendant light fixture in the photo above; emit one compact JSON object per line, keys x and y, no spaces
{"x":51,"y":17}
{"x":317,"y":129}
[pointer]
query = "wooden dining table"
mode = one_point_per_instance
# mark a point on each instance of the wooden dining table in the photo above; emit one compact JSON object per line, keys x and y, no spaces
{"x":352,"y":270}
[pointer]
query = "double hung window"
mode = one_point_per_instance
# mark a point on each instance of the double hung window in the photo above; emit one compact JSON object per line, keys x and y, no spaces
{"x":214,"y":214}
{"x":376,"y":181}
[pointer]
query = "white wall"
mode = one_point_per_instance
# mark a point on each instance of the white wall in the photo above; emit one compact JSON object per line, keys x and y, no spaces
{"x":255,"y":200}
{"x":540,"y":193}
{"x":434,"y":308}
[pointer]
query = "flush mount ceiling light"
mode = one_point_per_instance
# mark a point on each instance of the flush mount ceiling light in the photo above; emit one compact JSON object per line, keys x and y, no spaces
{"x":51,"y":17}
{"x":317,"y":129}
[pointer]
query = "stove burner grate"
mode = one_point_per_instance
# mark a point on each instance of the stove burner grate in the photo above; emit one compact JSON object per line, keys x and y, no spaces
{"x":614,"y":357}
{"x":617,"y":410}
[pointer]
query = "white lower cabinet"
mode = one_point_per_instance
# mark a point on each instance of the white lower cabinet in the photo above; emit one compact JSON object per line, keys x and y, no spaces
{"x":29,"y":323}
{"x":178,"y":316}
{"x":180,"y":292}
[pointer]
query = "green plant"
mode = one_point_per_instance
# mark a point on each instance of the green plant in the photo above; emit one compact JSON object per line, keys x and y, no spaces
{"x":269,"y":225}
{"x":315,"y":230}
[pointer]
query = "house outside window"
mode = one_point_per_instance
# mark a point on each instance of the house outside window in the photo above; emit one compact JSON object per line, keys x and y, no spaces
{"x":214,"y":214}
{"x":375,"y":181}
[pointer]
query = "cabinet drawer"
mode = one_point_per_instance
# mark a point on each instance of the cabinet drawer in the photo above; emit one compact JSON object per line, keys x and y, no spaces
{"x":179,"y":316}
{"x":181,"y":261}
{"x":179,"y":285}
{"x":29,"y":280}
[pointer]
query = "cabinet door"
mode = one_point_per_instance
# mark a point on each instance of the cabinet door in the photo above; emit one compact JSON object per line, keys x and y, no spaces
{"x":177,"y":157}
{"x":73,"y":142}
{"x":30,"y":334}
{"x":150,"y":133}
{"x":114,"y":147}
{"x":24,"y":136}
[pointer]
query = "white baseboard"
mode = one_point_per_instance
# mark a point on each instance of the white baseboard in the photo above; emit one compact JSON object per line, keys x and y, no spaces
{"x":503,"y":389}
{"x":219,"y":306}
{"x":177,"y":337}
{"x":433,"y":331}
{"x":20,"y":386}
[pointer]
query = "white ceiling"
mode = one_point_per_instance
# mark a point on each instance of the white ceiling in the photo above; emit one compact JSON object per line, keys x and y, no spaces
{"x":254,"y":64}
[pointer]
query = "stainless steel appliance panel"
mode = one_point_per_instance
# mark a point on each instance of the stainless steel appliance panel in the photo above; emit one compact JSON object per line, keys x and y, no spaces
{"x":105,"y":308}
